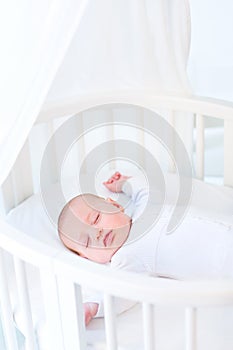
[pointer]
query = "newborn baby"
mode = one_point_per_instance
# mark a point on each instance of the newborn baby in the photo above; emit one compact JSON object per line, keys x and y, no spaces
{"x":99,"y":229}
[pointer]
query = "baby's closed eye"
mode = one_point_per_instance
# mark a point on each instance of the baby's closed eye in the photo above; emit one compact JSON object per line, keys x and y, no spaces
{"x":95,"y":217}
{"x":88,"y":241}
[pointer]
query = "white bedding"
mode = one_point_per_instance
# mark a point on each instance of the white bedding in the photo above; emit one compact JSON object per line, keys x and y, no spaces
{"x":209,"y":203}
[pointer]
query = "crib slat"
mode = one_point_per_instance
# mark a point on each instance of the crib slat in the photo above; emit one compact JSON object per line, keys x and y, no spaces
{"x":142,"y":137}
{"x":82,"y":147}
{"x":139,"y":118}
{"x":25,"y":303}
{"x":190,"y":328}
{"x":71,"y":308}
{"x":54,"y":334}
{"x":110,"y":324}
{"x":111,"y":136}
{"x":148,"y":326}
{"x":228,"y":159}
{"x":171,"y":164}
{"x":200,"y":146}
{"x":6,"y":309}
{"x":80,"y":317}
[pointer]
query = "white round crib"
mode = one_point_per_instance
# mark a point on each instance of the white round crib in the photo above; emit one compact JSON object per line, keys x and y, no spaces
{"x":42,"y":283}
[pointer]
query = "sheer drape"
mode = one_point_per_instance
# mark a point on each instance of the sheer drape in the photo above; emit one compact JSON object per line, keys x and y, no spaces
{"x":74,"y":47}
{"x":127,"y":44}
{"x":34,"y":39}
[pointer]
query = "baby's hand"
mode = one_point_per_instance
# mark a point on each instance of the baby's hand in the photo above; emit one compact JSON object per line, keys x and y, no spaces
{"x":116,"y":182}
{"x":90,"y":310}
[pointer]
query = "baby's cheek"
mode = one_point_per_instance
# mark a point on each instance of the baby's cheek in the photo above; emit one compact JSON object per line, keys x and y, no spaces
{"x":116,"y":221}
{"x":109,"y":222}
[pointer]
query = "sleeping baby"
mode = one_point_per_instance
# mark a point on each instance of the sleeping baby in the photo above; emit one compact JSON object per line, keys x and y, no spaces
{"x":99,"y":229}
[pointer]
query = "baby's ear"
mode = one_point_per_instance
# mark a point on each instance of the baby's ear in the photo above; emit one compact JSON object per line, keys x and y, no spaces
{"x":109,"y":200}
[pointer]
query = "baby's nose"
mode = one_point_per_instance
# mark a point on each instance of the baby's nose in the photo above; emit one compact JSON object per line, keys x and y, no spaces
{"x":99,"y":233}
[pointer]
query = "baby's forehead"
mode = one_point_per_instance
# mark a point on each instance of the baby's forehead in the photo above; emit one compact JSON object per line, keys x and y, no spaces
{"x":89,"y":202}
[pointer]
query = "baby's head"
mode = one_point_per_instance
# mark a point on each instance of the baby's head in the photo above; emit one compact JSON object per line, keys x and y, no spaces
{"x":93,"y":227}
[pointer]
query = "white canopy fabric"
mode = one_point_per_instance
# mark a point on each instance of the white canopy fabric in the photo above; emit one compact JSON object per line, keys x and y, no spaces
{"x":54,"y":50}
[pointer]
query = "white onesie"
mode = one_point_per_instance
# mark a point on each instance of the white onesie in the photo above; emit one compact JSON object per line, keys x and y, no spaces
{"x":197,"y":249}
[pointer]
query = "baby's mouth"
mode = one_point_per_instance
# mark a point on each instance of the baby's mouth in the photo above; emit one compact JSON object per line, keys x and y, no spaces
{"x":108,"y":238}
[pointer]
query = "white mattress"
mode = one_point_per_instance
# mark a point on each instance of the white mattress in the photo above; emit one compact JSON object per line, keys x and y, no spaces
{"x":209,"y":202}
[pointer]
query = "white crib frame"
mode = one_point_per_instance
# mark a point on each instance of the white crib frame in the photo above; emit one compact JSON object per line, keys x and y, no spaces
{"x":59,"y":273}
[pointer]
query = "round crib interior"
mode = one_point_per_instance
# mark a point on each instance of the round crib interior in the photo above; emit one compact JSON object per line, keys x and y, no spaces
{"x":75,"y":146}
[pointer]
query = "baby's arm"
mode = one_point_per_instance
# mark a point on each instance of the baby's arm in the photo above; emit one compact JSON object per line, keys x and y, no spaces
{"x":133,"y":187}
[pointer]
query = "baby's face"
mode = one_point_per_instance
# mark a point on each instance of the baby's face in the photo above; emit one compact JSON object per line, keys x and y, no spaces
{"x":96,"y":228}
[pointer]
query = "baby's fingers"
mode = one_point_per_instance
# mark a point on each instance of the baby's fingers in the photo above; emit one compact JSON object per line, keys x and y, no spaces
{"x":108,"y":182}
{"x":113,"y":178}
{"x":116,"y":176}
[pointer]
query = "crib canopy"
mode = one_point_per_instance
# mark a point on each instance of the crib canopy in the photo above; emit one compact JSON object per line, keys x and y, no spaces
{"x":55,"y":51}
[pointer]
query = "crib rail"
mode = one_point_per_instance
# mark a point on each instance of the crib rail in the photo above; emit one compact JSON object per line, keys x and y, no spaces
{"x":193,"y":104}
{"x":200,"y":107}
{"x":62,"y":271}
{"x":63,"y":275}
{"x":62,"y":267}
{"x":87,"y":273}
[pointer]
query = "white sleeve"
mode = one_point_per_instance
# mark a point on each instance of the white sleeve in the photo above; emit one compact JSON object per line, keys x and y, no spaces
{"x":139,"y":194}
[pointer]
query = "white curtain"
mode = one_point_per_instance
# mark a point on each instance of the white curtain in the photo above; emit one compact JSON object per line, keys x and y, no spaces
{"x":34,"y":39}
{"x":54,"y":50}
{"x":127,"y":44}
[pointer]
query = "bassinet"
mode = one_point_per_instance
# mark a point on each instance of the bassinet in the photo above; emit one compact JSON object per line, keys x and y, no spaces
{"x":47,"y":307}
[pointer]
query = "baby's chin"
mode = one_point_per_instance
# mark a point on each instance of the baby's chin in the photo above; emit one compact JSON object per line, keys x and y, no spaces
{"x":103,"y":256}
